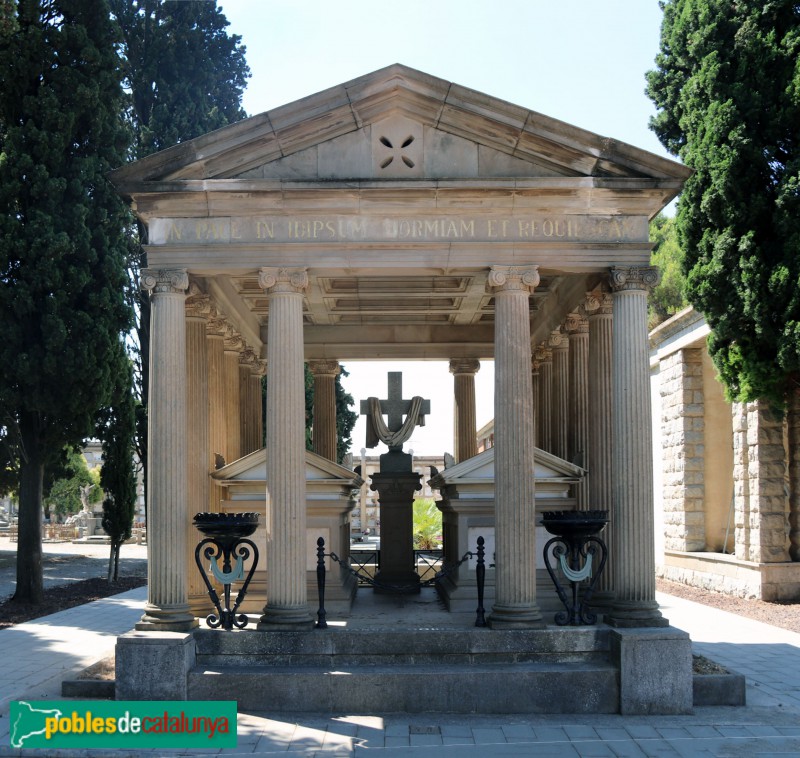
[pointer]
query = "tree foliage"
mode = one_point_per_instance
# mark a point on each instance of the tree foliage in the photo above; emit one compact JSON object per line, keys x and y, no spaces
{"x":427,"y":524}
{"x":727,"y":89}
{"x":668,"y":297}
{"x":185,"y":76}
{"x":62,"y":267}
{"x":64,"y":494}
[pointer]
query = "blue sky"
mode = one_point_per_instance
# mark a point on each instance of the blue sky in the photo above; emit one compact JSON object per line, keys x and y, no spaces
{"x":581,"y":61}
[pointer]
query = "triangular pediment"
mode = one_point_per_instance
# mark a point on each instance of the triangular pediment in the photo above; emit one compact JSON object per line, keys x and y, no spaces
{"x":480,"y":468}
{"x":397,"y":123}
{"x":253,"y":468}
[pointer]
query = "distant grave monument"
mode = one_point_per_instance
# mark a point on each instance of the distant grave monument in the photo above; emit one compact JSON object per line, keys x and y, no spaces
{"x":395,"y":483}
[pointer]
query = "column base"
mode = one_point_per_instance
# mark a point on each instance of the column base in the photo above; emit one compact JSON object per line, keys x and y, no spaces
{"x":516,"y":617}
{"x":175,"y":618}
{"x":289,"y":618}
{"x":633,"y":615}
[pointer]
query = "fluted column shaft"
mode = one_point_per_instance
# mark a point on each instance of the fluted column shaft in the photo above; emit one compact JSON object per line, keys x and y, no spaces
{"x":600,"y":461}
{"x":286,"y":481}
{"x":324,"y":436}
{"x":167,"y":608}
{"x":535,"y":400}
{"x":634,"y":566}
{"x":464,"y":419}
{"x":560,"y":399}
{"x":256,"y":402}
{"x":578,"y":431}
{"x":233,"y":445}
{"x":245,"y":417}
{"x":217,"y":421}
{"x":197,"y":307}
{"x":544,"y":419}
{"x":515,"y":519}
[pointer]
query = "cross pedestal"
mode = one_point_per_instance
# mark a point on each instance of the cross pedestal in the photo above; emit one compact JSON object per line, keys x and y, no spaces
{"x":395,"y":485}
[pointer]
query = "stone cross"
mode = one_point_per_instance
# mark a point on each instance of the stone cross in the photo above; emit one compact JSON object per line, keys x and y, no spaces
{"x":394,"y":406}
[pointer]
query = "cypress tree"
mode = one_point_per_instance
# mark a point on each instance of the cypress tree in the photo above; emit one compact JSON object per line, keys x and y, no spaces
{"x":727,"y":89}
{"x":186,"y":76}
{"x":117,"y":431}
{"x":62,"y":266}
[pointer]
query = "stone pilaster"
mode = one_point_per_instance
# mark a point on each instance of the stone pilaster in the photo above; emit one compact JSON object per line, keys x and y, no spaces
{"x":167,"y":607}
{"x":464,"y":418}
{"x":600,"y":463}
{"x":197,"y":310}
{"x":683,"y":454}
{"x":634,"y":566}
{"x":232,"y":346}
{"x":577,"y":327}
{"x":515,"y":520}
{"x":324,"y":429}
{"x":544,"y":415}
{"x":560,"y":394}
{"x":217,"y":421}
{"x":286,"y":481}
{"x":759,"y":479}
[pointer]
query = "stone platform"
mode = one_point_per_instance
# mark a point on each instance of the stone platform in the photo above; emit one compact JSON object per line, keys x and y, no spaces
{"x":408,"y":654}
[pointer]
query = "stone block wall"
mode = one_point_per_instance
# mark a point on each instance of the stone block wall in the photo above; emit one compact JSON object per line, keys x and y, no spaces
{"x":760,"y":491}
{"x":683,"y":451}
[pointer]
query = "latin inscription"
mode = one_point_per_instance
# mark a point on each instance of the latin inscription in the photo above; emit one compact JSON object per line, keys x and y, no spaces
{"x":371,"y":229}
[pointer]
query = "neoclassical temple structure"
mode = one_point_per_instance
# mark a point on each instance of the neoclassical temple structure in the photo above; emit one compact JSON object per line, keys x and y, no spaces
{"x":400,"y":216}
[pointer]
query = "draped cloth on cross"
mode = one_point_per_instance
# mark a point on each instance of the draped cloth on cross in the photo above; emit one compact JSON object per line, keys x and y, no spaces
{"x":378,"y":431}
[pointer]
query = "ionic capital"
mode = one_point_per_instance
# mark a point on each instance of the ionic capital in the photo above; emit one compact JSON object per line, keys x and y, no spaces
{"x":323,"y":367}
{"x":247,"y":357}
{"x":259,"y":368}
{"x":534,"y":367}
{"x":635,"y":278}
{"x":469,"y":366}
{"x":164,"y":282}
{"x":598,"y":303}
{"x":198,"y":303}
{"x":283,"y":280}
{"x":512,"y":278}
{"x":233,"y":340}
{"x":556,"y":340}
{"x":576,"y":323}
{"x":543,"y":354}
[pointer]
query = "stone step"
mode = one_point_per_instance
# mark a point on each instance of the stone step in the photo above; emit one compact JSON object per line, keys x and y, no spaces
{"x":487,"y":688}
{"x":369,"y":647}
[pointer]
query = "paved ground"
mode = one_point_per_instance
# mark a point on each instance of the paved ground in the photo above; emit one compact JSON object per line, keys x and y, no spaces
{"x":37,"y":655}
{"x":65,"y":562}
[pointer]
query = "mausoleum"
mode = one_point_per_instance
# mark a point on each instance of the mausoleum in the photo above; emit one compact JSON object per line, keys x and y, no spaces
{"x":401,"y":216}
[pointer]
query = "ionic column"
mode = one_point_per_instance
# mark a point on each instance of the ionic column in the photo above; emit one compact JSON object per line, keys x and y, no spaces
{"x":217,"y":420}
{"x":247,"y":436}
{"x":464,"y":418}
{"x":578,"y":413}
{"x":515,"y":520}
{"x":167,"y":608}
{"x":257,"y":371}
{"x":535,"y":399}
{"x":233,"y":347}
{"x":324,"y":436}
{"x":634,"y":565}
{"x":544,"y":417}
{"x":600,"y":463}
{"x":286,"y":481}
{"x":197,"y":310}
{"x":560,"y":400}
